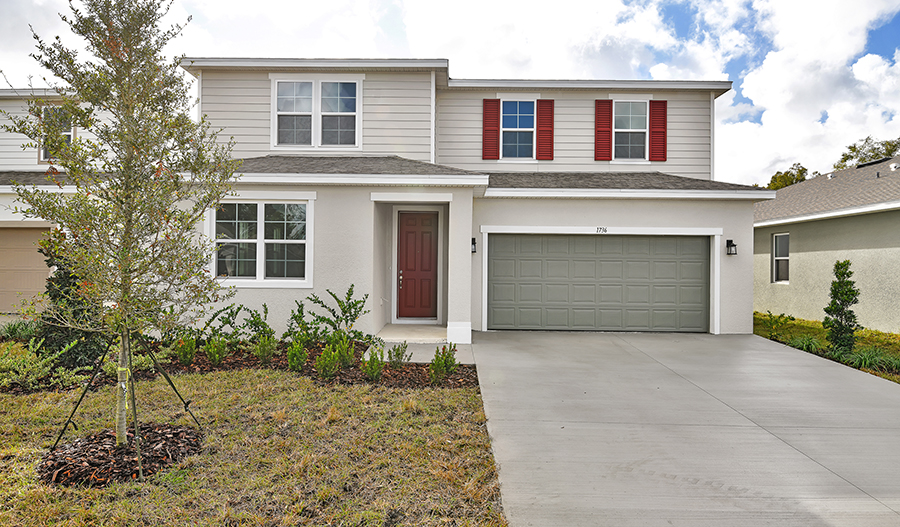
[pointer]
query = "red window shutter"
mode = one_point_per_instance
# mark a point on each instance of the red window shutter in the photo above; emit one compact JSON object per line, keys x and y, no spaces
{"x":490,"y":129}
{"x":545,"y":129}
{"x":658,"y":126}
{"x":603,"y":129}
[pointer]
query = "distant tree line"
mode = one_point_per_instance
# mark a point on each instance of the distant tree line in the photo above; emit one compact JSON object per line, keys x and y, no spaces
{"x":862,"y":151}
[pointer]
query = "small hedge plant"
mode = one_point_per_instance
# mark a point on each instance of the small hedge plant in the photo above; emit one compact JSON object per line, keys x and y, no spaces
{"x":443,"y":364}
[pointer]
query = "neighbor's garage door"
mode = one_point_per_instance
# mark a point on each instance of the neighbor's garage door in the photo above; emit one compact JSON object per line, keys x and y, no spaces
{"x":22,"y":267}
{"x":614,"y":283}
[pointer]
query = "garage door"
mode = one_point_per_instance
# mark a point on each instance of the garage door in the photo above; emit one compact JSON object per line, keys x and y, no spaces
{"x":613,"y":283}
{"x":22,"y":267}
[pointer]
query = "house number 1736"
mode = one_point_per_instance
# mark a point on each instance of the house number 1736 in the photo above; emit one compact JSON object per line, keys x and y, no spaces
{"x":601,"y":230}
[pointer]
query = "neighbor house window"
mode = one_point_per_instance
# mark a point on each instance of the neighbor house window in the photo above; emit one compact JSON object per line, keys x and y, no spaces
{"x":56,"y":116}
{"x":780,"y":257}
{"x":316,"y":113}
{"x":261,"y":240}
{"x":517,"y":129}
{"x":630,"y":130}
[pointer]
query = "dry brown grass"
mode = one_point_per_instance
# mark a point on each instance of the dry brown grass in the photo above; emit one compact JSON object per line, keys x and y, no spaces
{"x":279,"y":450}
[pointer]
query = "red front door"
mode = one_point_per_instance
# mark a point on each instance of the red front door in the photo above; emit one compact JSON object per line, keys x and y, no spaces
{"x":417,"y":250}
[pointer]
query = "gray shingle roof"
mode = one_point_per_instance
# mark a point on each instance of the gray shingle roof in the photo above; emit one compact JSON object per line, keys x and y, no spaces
{"x":27,"y":178}
{"x":607,"y":180}
{"x":345,"y":165}
{"x":844,"y":189}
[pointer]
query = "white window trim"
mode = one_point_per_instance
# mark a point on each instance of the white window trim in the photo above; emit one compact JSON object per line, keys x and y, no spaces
{"x":646,"y":131}
{"x":71,"y":133}
{"x":775,"y":259}
{"x":525,"y":97}
{"x":260,"y":281}
{"x":316,"y":81}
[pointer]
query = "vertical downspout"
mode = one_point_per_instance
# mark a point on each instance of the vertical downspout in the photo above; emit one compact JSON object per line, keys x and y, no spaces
{"x":712,"y":136}
{"x":433,"y":112}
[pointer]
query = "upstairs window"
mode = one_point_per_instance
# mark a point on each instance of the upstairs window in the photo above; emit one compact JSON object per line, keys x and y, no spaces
{"x":315,"y":114}
{"x":630,"y":130}
{"x":517,"y":123}
{"x":781,"y":257}
{"x":56,"y":117}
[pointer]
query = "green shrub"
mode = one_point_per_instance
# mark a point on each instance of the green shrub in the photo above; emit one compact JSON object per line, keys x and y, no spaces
{"x":299,"y":328}
{"x":775,"y":325}
{"x":328,"y":362}
{"x":344,"y":348}
{"x":256,"y":326}
{"x":344,"y":316}
{"x":374,"y":365}
{"x":30,"y":370}
{"x":397,"y":355}
{"x":21,"y":330}
{"x":868,"y":358}
{"x":216,"y":350}
{"x":297,"y":355}
{"x":265,"y":348}
{"x":443,"y":364}
{"x":806,"y":343}
{"x":224,"y":324}
{"x":840,"y":320}
{"x":185,"y":348}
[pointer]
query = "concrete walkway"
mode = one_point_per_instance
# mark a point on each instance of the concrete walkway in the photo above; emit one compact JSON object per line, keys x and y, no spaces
{"x":686,"y":430}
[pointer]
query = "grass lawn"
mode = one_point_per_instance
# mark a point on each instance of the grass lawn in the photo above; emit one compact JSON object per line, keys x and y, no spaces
{"x":279,"y":450}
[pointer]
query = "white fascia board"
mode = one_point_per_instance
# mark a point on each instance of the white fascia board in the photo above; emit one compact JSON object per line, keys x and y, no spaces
{"x":754,"y":195}
{"x":717,"y":86}
{"x":855,"y":211}
{"x":68,"y":189}
{"x":366,"y":179}
{"x":601,"y":230}
{"x":268,"y":63}
{"x":27,"y":93}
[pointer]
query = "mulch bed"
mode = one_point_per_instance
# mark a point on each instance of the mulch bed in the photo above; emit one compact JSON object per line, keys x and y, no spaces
{"x":94,"y":461}
{"x":409,"y":375}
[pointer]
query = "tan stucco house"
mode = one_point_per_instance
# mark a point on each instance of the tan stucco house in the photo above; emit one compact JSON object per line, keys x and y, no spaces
{"x":851,"y":214}
{"x":473,"y":204}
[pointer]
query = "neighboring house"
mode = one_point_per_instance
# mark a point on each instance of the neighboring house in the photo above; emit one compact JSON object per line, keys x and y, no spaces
{"x":478,"y":204}
{"x":851,"y":214}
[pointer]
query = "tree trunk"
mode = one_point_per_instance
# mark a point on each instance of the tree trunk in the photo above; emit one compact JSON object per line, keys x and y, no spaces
{"x":122,"y":390}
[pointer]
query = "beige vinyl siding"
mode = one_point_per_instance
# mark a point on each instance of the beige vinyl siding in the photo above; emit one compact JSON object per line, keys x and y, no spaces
{"x":238,"y":102}
{"x":12,"y":155}
{"x":396,"y":113}
{"x":459,"y":133}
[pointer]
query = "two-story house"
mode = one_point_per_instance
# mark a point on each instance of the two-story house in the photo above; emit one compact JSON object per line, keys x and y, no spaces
{"x":478,"y":204}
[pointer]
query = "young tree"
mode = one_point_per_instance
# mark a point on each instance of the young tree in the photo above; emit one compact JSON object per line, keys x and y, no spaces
{"x":144,"y":174}
{"x":867,"y":150}
{"x":840,"y":320}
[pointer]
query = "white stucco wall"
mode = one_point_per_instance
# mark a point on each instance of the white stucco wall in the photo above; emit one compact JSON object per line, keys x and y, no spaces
{"x":872,"y":244}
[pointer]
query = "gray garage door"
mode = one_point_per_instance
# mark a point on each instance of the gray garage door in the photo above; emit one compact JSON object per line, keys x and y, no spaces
{"x":614,"y":283}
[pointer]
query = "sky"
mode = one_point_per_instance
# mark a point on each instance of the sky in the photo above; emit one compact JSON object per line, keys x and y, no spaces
{"x":810,"y":77}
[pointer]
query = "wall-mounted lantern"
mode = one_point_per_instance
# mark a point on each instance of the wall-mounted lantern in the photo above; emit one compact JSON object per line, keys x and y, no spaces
{"x":473,"y":245}
{"x":730,"y":248}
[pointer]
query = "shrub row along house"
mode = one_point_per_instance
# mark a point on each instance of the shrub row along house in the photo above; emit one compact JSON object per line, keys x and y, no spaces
{"x":468,"y":204}
{"x":851,"y":214}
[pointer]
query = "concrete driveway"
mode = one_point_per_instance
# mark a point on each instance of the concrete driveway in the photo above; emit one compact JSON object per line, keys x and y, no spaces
{"x":626,"y":429}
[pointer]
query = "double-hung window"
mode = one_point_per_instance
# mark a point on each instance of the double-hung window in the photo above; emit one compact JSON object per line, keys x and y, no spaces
{"x":313,"y":113}
{"x":517,"y":129}
{"x":261,"y":241}
{"x":780,"y":257}
{"x":56,"y":117}
{"x":630,"y":129}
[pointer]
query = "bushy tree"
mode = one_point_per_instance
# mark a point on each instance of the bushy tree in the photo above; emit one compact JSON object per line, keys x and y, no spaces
{"x":144,"y":174}
{"x":840,"y":320}
{"x":867,"y":150}
{"x":795,"y":174}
